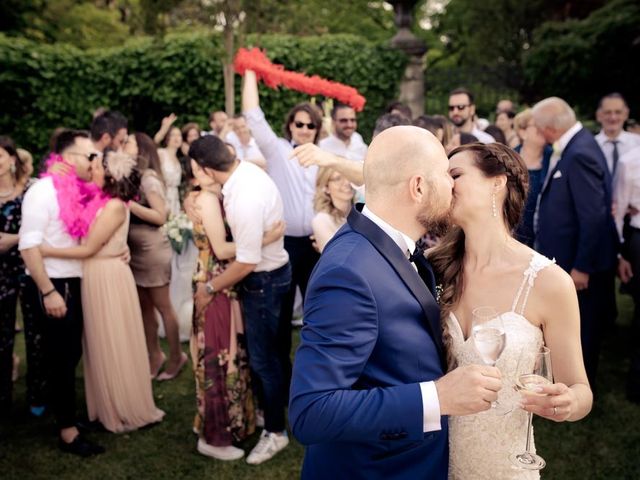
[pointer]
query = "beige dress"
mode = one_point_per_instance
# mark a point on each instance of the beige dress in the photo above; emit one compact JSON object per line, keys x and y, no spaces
{"x":116,"y":365}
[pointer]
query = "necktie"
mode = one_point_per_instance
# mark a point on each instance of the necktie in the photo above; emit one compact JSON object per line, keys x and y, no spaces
{"x":615,"y":156}
{"x":424,"y":269}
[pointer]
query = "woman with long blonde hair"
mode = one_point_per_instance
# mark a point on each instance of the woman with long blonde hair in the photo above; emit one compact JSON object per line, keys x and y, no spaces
{"x":332,"y":203}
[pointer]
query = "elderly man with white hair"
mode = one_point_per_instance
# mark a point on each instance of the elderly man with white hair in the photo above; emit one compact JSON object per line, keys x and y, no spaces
{"x":574,"y":221}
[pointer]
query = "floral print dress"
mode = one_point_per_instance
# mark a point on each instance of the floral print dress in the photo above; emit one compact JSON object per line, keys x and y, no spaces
{"x":225,"y":411}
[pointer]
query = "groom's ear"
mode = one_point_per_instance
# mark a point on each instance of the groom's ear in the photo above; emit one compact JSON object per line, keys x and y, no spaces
{"x":417,"y":187}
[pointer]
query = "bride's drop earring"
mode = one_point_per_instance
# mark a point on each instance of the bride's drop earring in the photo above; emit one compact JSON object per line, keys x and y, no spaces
{"x":494,"y":210}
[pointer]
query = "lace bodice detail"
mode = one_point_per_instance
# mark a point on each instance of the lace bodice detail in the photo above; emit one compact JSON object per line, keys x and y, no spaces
{"x":481,"y":444}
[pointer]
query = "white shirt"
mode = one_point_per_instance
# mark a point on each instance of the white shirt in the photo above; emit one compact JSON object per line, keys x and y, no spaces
{"x":296,"y":183}
{"x":626,"y":188}
{"x":356,"y":149}
{"x":252,"y":205}
{"x":430,"y":401}
{"x":41,"y":224}
{"x":626,"y":142}
{"x":244,"y":152}
{"x":483,"y":137}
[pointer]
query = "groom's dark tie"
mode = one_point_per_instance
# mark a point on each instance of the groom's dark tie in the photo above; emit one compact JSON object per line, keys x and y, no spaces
{"x":424,"y":269}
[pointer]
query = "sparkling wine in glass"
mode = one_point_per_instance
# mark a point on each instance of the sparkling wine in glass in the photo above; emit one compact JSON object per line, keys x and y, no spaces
{"x":489,"y":339}
{"x":533,"y":371}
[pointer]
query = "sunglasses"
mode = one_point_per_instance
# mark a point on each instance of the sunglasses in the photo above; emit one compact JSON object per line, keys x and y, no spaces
{"x":88,"y":156}
{"x":310,"y":126}
{"x":457,"y":107}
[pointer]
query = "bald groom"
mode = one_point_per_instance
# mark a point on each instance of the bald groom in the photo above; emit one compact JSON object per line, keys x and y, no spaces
{"x":369,"y":397}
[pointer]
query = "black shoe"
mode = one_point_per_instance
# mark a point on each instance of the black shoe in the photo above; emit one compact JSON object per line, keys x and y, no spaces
{"x":88,"y":426}
{"x":81,"y":447}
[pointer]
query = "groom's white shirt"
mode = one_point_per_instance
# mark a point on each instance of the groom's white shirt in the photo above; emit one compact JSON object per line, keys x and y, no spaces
{"x":430,"y":402}
{"x":41,"y":224}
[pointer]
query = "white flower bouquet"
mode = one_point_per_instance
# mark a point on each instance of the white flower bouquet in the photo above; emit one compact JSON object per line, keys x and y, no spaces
{"x":179,"y":230}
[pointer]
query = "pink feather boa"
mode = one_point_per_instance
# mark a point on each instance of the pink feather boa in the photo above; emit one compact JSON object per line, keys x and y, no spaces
{"x":79,"y":201}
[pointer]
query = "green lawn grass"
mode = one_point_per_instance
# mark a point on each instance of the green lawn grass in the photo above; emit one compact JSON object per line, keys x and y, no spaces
{"x":606,"y":445}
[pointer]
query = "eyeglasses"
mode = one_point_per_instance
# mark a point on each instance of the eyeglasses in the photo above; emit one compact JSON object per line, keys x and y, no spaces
{"x":346,"y":120}
{"x":310,"y":126}
{"x":457,"y":107}
{"x":88,"y":156}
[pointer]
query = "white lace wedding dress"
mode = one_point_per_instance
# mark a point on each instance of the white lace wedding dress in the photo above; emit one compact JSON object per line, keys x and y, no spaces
{"x":480,"y":445}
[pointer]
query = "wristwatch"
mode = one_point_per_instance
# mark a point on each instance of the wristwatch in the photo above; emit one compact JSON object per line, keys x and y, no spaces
{"x":209,"y":288}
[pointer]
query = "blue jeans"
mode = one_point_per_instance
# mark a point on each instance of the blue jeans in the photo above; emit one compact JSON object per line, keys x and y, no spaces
{"x":262,"y":295}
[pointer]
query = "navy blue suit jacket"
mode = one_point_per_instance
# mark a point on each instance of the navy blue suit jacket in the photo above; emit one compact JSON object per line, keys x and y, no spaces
{"x":575,"y":225}
{"x":371,"y":334}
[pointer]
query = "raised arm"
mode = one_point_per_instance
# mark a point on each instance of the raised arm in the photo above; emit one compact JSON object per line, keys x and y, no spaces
{"x":164,"y":128}
{"x":560,"y":314}
{"x":105,"y":225}
{"x":250,"y":96}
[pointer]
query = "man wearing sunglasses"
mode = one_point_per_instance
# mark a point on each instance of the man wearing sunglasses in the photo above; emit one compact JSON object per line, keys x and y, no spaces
{"x":53,"y":287}
{"x":462,"y":113}
{"x":344,"y":141}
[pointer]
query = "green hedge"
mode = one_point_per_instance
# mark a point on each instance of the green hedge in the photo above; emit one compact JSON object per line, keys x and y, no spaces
{"x":43,"y":87}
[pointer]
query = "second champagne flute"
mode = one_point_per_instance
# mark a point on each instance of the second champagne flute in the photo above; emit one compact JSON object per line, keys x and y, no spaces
{"x":490,"y":339}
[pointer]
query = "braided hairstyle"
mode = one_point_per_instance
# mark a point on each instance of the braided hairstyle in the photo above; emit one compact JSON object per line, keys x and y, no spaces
{"x":447,"y":257}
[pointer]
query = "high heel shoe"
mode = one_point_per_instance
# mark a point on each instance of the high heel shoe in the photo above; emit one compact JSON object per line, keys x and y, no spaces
{"x":154,"y":375}
{"x":164,"y":376}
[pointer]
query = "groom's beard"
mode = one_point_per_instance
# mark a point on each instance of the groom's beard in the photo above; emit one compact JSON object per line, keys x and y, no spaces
{"x":435,"y":218}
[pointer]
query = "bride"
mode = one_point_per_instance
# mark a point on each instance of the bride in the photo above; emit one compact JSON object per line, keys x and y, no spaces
{"x":479,"y":263}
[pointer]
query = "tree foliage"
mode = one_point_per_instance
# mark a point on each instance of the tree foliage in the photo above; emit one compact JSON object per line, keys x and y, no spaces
{"x":582,"y":60}
{"x":45,"y":86}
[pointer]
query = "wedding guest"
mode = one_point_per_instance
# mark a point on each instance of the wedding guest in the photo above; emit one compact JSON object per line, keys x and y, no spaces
{"x":399,"y":108}
{"x":14,"y":174}
{"x":253,"y":204}
{"x":613,"y":140}
{"x":332,"y":203}
{"x":245,"y":146}
{"x":497,"y":134}
{"x":151,"y":258}
{"x":109,"y":130}
{"x":171,"y":170}
{"x":53,"y":285}
{"x":505,"y":121}
{"x":218,"y":344}
{"x":536,"y":154}
{"x":389,"y":120}
{"x":296,"y":184}
{"x":505,"y":105}
{"x":574,"y":221}
{"x":116,"y":372}
{"x":462,"y":113}
{"x":627,"y":195}
{"x":218,"y":120}
{"x":183,"y":263}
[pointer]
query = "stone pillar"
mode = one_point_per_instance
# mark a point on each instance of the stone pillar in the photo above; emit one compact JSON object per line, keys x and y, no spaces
{"x":412,"y":86}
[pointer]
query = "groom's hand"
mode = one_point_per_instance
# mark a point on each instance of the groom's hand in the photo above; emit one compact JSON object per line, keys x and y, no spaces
{"x":469,"y":389}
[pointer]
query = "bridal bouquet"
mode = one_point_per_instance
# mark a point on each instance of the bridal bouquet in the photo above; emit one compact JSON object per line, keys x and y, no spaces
{"x":179,"y":230}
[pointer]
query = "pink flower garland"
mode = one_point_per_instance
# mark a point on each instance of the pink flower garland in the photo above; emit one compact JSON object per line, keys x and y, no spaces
{"x":79,"y":201}
{"x":274,"y":75}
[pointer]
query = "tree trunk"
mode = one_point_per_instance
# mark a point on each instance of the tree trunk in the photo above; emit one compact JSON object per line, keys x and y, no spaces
{"x":227,"y":68}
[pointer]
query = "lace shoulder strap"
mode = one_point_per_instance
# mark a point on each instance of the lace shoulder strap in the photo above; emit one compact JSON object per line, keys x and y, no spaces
{"x":537,"y":263}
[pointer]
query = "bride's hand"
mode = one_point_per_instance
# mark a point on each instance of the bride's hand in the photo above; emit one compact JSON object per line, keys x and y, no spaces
{"x":556,"y":402}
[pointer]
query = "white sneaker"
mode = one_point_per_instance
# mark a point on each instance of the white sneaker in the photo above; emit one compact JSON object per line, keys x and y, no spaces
{"x":259,"y":419}
{"x":221,"y":453}
{"x":297,"y":322}
{"x":269,"y":444}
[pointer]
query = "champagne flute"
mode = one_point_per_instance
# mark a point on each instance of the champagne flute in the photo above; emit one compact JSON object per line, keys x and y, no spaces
{"x":532,"y":373}
{"x":490,"y":339}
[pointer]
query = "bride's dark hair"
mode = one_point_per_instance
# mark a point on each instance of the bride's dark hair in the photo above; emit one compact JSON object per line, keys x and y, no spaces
{"x":447,"y":258}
